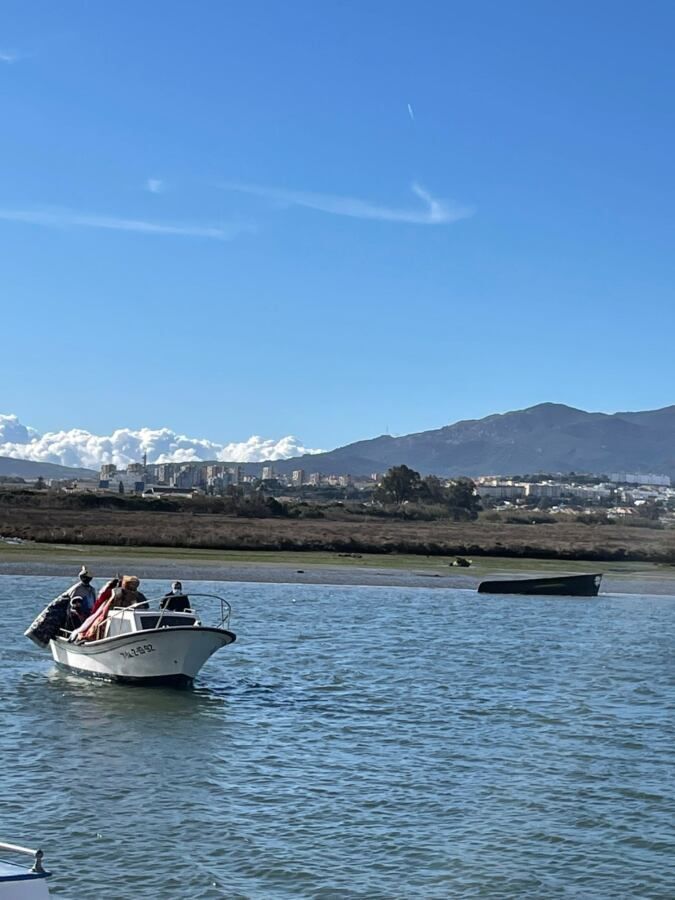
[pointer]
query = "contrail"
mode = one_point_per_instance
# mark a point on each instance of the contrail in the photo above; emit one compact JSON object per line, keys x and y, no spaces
{"x":411,"y":113}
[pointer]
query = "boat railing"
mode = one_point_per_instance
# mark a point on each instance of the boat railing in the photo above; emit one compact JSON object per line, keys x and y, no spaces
{"x":225,"y":609}
{"x":27,"y":851}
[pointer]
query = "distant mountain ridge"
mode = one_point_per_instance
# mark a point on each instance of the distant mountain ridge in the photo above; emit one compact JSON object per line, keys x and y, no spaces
{"x":27,"y":468}
{"x":549,"y":437}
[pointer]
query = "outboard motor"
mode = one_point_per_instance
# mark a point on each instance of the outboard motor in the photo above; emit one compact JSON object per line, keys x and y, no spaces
{"x":49,"y":622}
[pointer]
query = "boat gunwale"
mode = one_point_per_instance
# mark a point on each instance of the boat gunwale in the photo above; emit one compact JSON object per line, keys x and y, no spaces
{"x":90,"y":648}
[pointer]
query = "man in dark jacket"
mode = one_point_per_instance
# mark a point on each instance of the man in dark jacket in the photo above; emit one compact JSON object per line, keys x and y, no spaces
{"x":176,"y":600}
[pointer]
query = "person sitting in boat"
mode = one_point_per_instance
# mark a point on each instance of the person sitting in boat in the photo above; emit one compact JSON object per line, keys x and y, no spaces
{"x":127,"y":594}
{"x":76,"y":614}
{"x":82,"y":598}
{"x":175,"y":600}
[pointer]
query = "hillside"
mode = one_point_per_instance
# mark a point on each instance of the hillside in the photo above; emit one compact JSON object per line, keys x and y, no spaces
{"x":25,"y":468}
{"x":549,"y":437}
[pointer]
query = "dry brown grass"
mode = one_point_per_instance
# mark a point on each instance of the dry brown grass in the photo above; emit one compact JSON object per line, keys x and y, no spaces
{"x":179,"y":529}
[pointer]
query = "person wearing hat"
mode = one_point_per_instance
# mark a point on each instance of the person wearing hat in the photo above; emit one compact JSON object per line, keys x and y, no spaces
{"x":82,"y":598}
{"x":127,"y":594}
{"x":118,"y":593}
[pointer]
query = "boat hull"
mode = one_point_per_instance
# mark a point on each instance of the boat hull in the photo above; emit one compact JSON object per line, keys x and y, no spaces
{"x":171,"y":656}
{"x":554,"y":586}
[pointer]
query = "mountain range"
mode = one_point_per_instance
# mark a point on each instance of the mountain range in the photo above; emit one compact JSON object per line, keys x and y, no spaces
{"x":549,"y":437}
{"x":27,"y":468}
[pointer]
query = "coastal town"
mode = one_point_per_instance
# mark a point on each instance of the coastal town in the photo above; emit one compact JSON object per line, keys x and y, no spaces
{"x":620,"y":496}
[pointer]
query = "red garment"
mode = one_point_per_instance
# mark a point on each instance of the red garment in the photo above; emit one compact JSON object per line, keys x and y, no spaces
{"x":105,"y":594}
{"x":88,"y":631}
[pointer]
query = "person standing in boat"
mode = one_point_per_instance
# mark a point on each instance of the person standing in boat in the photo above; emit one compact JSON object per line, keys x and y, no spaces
{"x":120,"y":596}
{"x":82,"y":598}
{"x":128,"y":594}
{"x":83,"y":590}
{"x":175,"y":600}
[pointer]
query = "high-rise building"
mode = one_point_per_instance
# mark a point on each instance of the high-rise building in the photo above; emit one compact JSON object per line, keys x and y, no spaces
{"x":186,"y":477}
{"x":267,"y":473}
{"x":298,"y":477}
{"x":315,"y":479}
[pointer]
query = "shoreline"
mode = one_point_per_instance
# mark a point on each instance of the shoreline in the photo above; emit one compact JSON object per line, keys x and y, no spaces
{"x":368,"y":570}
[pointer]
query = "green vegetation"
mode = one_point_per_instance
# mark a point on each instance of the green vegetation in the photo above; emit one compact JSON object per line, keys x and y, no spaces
{"x":408,"y":516}
{"x":458,"y":500}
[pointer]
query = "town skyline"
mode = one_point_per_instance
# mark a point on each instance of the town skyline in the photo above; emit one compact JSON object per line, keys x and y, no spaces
{"x":573,"y":438}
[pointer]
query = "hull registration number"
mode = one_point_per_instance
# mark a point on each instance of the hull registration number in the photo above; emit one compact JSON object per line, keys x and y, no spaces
{"x":139,"y":650}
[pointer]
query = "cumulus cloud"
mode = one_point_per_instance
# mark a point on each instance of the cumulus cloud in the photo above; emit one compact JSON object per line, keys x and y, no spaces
{"x":12,"y":430}
{"x":77,"y":447}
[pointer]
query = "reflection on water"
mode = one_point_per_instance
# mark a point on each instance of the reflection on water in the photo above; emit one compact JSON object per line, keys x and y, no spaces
{"x":356,"y":742}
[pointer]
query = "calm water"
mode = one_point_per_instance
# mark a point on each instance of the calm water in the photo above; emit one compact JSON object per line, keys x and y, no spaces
{"x":357,"y":743}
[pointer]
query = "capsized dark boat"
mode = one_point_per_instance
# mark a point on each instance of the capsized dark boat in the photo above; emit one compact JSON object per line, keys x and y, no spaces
{"x":554,"y":585}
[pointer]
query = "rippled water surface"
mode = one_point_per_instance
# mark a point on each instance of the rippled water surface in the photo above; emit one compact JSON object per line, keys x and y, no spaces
{"x":356,"y":743}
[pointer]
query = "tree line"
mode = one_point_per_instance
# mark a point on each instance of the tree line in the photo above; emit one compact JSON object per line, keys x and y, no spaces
{"x":403,"y":485}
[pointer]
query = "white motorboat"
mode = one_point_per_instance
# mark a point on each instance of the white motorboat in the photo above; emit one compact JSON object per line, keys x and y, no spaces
{"x":19,"y":882}
{"x":146,"y":646}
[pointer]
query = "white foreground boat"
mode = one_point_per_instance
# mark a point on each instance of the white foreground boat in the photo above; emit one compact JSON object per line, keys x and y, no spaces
{"x":19,"y":882}
{"x":146,"y":646}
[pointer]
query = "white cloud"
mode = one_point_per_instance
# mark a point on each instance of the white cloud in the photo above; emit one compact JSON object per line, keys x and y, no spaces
{"x":13,"y":430}
{"x":436,"y":212}
{"x":154,"y":185}
{"x":8,"y":57}
{"x":77,"y":447}
{"x":63,"y":218}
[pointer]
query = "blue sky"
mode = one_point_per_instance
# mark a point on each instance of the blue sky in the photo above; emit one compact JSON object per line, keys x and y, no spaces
{"x":330,"y":219}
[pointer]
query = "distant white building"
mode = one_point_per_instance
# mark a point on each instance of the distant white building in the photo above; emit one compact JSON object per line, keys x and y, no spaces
{"x":502,"y":491}
{"x":543,"y":489}
{"x":634,"y":478}
{"x":157,"y":491}
{"x":267,"y":473}
{"x":589,"y":492}
{"x":122,"y":482}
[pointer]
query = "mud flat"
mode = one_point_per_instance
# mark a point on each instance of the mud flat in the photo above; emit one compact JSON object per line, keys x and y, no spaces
{"x":384,"y":570}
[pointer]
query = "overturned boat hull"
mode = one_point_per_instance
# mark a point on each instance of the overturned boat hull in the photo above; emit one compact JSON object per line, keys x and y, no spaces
{"x":171,"y":656}
{"x":553,"y":586}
